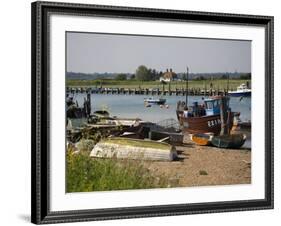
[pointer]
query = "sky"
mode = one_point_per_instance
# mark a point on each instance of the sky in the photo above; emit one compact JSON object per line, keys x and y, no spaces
{"x":92,"y":52}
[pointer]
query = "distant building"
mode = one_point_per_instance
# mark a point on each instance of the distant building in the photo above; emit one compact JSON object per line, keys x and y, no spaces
{"x":168,"y":76}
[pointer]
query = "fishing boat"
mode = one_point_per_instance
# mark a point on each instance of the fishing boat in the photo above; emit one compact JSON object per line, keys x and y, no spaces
{"x":206,"y":117}
{"x":203,"y":139}
{"x":155,"y":101}
{"x":229,"y":140}
{"x":242,"y":91}
{"x":124,"y":124}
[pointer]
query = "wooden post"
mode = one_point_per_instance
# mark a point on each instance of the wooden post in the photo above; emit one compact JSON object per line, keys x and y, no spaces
{"x":88,"y":104}
{"x":223,"y":114}
{"x":170,"y":88}
{"x":205,"y":88}
{"x":228,"y":121}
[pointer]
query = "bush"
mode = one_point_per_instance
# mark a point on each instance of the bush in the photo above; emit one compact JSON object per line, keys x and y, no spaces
{"x":121,"y":77}
{"x":84,"y":174}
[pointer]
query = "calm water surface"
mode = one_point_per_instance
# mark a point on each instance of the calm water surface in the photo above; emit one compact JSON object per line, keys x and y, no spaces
{"x":132,"y":106}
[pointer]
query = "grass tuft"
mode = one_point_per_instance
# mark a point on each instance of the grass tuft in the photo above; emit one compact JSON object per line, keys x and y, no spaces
{"x":86,"y":174}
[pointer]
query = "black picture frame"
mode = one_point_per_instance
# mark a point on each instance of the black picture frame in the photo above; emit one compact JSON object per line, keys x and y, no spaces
{"x":40,"y":211}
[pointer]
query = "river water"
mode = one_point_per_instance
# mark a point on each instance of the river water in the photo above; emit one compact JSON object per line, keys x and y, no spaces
{"x":132,"y":106}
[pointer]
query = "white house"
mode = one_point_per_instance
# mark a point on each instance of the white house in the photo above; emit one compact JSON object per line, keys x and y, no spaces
{"x":168,"y":76}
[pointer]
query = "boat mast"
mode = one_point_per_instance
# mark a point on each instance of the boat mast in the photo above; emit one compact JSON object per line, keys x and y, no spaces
{"x":186,"y":87}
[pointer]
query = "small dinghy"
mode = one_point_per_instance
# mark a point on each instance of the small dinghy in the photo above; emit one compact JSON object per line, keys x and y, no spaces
{"x":203,"y":139}
{"x":101,"y":113}
{"x":159,"y":101}
{"x":229,"y":141}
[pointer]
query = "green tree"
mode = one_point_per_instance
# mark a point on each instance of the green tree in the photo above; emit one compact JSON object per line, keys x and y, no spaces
{"x":121,"y":77}
{"x":245,"y":76}
{"x":133,"y":76}
{"x":154,"y":74}
{"x":143,"y":73}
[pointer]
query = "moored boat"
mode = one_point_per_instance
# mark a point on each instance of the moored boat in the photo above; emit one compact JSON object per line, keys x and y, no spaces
{"x":155,"y":101}
{"x":242,"y":91}
{"x":101,"y":113}
{"x":204,"y":118}
{"x":229,"y":141}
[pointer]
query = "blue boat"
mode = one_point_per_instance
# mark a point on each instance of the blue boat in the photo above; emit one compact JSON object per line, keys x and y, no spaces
{"x":242,"y":91}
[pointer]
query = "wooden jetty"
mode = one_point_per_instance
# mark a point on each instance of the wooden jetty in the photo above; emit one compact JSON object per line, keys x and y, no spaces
{"x":146,"y":91}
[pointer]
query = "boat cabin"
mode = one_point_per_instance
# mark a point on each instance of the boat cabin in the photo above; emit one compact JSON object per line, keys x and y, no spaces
{"x":212,"y":106}
{"x":242,"y":87}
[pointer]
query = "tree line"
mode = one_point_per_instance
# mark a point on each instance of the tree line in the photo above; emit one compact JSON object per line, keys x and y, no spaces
{"x":142,"y":74}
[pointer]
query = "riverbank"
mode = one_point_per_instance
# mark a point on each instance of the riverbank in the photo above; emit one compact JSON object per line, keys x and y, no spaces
{"x":195,"y":166}
{"x":135,"y":84}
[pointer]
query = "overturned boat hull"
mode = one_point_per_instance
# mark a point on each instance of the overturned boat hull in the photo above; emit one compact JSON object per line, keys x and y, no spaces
{"x":202,"y":139}
{"x":126,"y":148}
{"x":229,"y":141}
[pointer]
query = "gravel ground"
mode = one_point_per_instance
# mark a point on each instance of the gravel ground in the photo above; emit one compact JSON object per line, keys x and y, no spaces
{"x":201,"y":165}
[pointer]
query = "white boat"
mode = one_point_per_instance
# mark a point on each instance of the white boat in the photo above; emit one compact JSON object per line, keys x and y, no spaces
{"x":155,"y":101}
{"x":242,"y":91}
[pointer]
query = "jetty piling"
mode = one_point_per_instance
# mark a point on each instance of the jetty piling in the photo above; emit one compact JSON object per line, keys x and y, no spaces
{"x":148,"y":91}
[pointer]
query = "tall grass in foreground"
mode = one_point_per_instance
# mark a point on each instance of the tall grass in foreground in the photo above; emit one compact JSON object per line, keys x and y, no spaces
{"x":86,"y":174}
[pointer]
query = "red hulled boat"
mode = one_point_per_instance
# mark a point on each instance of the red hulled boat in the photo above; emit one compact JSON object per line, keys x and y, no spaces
{"x":204,"y":118}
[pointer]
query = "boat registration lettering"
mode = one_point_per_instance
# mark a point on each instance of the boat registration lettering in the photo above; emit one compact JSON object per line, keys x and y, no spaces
{"x":214,"y":122}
